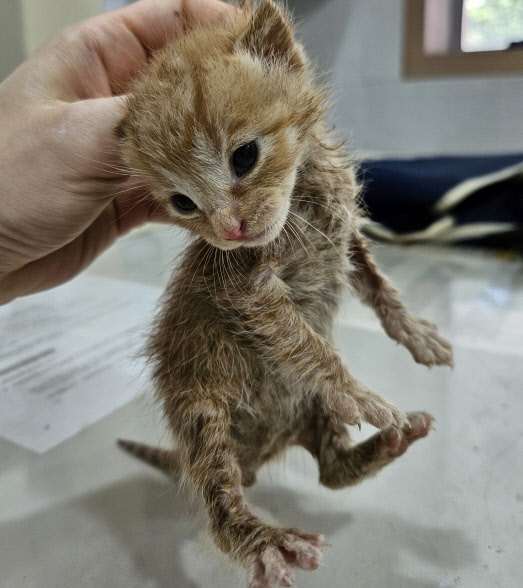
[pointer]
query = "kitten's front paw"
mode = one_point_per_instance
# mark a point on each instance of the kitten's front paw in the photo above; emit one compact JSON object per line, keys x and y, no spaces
{"x":422,"y":339}
{"x":361,"y":403}
{"x":290,"y":548}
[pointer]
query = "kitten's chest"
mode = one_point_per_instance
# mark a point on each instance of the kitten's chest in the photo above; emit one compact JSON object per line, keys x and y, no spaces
{"x":314,"y":266}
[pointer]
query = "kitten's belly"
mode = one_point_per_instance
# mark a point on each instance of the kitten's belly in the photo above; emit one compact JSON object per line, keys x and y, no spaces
{"x":276,"y":412}
{"x":270,"y":419}
{"x":315,"y":282}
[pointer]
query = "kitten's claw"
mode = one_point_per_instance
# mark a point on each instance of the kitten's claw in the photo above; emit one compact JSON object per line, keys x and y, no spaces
{"x":292,"y":548}
{"x":422,"y":339}
{"x":344,"y":408}
{"x":380,"y":413}
{"x":364,"y":404}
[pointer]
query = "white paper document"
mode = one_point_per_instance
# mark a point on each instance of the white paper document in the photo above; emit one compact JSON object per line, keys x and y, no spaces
{"x":70,"y":356}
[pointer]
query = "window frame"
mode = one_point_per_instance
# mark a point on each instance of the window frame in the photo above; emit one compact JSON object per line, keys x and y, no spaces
{"x":417,"y":63}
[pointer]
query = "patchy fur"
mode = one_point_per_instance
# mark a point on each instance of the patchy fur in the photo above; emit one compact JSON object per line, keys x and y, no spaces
{"x":242,"y":354}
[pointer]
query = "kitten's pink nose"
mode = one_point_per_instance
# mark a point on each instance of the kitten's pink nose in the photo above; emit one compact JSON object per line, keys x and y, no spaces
{"x":235,"y":232}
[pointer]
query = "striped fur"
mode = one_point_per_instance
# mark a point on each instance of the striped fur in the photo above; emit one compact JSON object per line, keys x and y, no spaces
{"x":162,"y":459}
{"x":241,"y":352}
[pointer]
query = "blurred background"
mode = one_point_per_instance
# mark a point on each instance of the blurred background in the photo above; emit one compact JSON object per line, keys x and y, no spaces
{"x":427,"y":92}
{"x":362,"y":43}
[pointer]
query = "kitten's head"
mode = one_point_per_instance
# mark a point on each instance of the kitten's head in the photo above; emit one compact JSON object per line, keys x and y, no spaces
{"x":218,"y":126}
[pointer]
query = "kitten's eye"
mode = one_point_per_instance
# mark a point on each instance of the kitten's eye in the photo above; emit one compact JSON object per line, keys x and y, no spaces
{"x":182,"y":203}
{"x":244,"y":158}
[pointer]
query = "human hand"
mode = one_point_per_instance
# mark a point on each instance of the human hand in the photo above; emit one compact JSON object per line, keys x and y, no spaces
{"x":64,"y":194}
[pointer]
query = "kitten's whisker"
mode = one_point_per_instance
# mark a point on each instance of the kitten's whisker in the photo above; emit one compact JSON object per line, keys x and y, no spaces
{"x":187,"y":271}
{"x":315,"y":228}
{"x":226,"y":278}
{"x":222,"y":272}
{"x":303,"y":233}
{"x":289,"y":240}
{"x":226,"y":267}
{"x":107,"y":167}
{"x":240,"y":268}
{"x":214,"y":274}
{"x":204,"y":256}
{"x":120,"y":216}
{"x":232,"y":276}
{"x":315,"y":203}
{"x":294,"y":231}
{"x":140,"y":201}
{"x":208,"y":257}
{"x":245,"y":267}
{"x":130,"y":189}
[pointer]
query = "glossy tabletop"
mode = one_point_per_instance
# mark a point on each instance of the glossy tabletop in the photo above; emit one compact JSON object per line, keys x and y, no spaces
{"x":448,"y":513}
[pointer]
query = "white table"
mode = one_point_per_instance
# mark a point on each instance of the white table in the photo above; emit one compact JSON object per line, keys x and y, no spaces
{"x":448,"y":513}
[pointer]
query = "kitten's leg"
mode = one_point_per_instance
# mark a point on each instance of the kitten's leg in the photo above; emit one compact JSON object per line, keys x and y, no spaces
{"x":206,"y":458}
{"x":303,"y":357}
{"x":342,"y":465}
{"x":419,"y":336}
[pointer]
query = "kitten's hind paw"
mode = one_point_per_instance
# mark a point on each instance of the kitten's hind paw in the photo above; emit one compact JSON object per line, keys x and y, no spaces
{"x":272,"y":568}
{"x":394,"y":442}
{"x":342,"y":465}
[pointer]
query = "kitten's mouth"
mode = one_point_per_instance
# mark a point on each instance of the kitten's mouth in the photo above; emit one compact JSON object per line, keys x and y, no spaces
{"x":262,"y":238}
{"x":250,"y":240}
{"x":258,"y":239}
{"x":255,"y":237}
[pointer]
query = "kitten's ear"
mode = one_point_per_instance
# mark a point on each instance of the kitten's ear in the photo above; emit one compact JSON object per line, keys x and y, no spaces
{"x":269,"y":36}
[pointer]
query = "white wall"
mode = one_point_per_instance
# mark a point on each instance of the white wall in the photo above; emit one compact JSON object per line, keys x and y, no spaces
{"x":43,"y":18}
{"x":361,"y":42}
{"x":26,"y":24}
{"x":12,"y":50}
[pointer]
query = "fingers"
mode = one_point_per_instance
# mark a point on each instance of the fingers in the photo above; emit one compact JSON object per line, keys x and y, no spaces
{"x":154,"y":22}
{"x":131,"y":203}
{"x":81,"y":137}
{"x":151,"y":23}
{"x":64,"y":263}
{"x":101,"y":56}
{"x":132,"y":33}
{"x":125,"y":213}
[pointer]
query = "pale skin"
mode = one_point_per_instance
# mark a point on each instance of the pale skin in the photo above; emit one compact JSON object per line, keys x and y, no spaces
{"x":65,"y":195}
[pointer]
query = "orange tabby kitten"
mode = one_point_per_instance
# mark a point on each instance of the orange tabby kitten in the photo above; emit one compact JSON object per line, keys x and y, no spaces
{"x":227,"y":131}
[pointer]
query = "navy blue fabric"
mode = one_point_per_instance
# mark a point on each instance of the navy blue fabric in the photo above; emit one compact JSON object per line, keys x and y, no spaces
{"x":401,"y":194}
{"x":502,"y":202}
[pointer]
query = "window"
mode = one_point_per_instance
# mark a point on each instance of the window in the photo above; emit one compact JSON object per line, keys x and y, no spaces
{"x":445,"y":37}
{"x":491,"y":25}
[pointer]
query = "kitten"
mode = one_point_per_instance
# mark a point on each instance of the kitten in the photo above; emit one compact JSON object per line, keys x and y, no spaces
{"x":227,"y":130}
